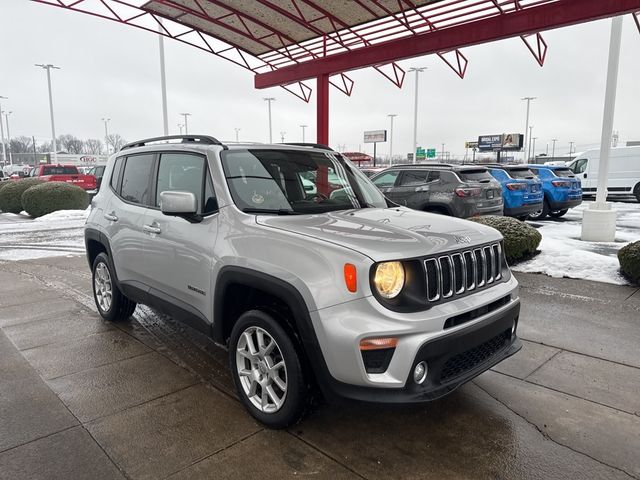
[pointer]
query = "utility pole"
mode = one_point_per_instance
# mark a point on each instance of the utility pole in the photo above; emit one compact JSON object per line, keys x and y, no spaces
{"x":391,"y":116}
{"x":106,"y":133}
{"x":48,"y":68}
{"x":534,"y":148}
{"x":269,"y":100}
{"x":4,"y":148}
{"x":304,"y":127}
{"x":417,"y":70}
{"x":163,"y":79}
{"x":526,"y":128}
{"x":6,"y":118}
{"x":553,"y":152}
{"x":237,"y":137}
{"x":529,"y":151}
{"x":186,"y":122}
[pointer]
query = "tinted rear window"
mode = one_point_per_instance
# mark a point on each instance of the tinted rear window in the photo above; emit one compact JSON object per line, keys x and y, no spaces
{"x":520,"y":173}
{"x":474,"y":175}
{"x":562,"y":172}
{"x":55,"y":170}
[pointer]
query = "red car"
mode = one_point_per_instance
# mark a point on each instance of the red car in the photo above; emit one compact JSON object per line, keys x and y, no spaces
{"x":64,"y":173}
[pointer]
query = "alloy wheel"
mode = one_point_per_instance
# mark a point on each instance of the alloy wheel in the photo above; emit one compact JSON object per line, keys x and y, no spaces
{"x":103,"y":287}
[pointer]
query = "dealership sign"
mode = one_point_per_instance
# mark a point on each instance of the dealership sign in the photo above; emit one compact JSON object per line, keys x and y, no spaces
{"x":506,"y":141}
{"x":375,"y":136}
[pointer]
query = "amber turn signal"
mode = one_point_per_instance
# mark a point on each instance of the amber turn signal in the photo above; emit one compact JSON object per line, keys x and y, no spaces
{"x":350,"y":277}
{"x":378,"y":343}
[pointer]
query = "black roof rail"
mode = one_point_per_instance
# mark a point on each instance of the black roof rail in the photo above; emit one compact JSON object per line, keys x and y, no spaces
{"x":200,"y":139}
{"x":312,"y":145}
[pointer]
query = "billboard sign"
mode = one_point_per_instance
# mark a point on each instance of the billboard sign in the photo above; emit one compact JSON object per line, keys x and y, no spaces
{"x":506,"y":141}
{"x":375,"y":136}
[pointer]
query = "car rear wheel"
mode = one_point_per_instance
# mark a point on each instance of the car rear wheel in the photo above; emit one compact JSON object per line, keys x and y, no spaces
{"x":267,"y":370}
{"x":558,"y":213}
{"x":636,"y":192}
{"x":112,"y":304}
{"x":542,"y":213}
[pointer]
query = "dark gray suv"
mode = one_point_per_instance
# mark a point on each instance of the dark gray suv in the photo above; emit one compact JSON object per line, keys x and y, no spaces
{"x":458,"y":190}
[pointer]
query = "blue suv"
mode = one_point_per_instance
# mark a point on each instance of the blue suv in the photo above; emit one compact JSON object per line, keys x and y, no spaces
{"x":562,"y":190}
{"x":521,"y":189}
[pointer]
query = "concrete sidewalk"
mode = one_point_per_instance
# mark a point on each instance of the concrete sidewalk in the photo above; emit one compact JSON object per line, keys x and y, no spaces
{"x":81,"y":398}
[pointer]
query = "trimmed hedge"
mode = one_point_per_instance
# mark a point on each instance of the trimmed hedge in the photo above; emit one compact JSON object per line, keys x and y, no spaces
{"x":50,"y":197}
{"x":629,"y":258}
{"x":4,"y":183}
{"x":521,"y":240}
{"x":11,"y":194}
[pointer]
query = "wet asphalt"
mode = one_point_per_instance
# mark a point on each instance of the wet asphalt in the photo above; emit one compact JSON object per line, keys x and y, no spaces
{"x":152,"y":399}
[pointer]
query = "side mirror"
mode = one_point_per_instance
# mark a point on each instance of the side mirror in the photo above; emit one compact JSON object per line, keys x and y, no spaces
{"x":180,"y":204}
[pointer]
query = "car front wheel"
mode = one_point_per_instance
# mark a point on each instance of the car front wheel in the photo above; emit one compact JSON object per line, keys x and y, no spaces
{"x":559,"y":213}
{"x":540,"y":214}
{"x":267,"y":370}
{"x":112,"y":304}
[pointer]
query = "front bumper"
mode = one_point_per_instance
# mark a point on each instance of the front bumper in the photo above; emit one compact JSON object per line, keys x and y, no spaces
{"x":421,"y":337}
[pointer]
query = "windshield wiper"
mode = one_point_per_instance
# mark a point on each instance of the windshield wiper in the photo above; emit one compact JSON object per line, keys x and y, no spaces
{"x":272,"y":211}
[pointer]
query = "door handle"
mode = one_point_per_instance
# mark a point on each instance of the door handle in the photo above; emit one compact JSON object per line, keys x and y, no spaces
{"x":112,"y":217}
{"x":153,"y":228}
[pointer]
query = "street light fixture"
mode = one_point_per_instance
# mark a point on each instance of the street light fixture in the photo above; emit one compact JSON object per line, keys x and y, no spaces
{"x":4,"y":149}
{"x":391,"y":116}
{"x":415,"y":112}
{"x":269,"y":100}
{"x":106,"y":133}
{"x":303,"y":131}
{"x":526,"y":128}
{"x":48,"y":68}
{"x":186,"y":122}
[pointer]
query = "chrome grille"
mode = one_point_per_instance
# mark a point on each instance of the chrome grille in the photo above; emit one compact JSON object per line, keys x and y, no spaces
{"x":460,"y":272}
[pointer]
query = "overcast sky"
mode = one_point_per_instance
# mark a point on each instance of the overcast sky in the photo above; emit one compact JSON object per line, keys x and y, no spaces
{"x":112,"y":70}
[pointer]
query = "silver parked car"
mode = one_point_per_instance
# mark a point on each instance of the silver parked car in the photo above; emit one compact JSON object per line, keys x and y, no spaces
{"x":325,"y":289}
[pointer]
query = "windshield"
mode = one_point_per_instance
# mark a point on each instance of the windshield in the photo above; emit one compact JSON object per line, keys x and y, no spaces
{"x":475,"y":175}
{"x":562,"y":172}
{"x":520,"y":173}
{"x":296,"y":182}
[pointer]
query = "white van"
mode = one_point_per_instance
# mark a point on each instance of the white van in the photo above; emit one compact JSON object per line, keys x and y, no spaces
{"x":624,"y":171}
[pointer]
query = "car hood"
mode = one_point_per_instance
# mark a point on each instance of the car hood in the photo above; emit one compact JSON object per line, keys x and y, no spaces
{"x":387,"y":233}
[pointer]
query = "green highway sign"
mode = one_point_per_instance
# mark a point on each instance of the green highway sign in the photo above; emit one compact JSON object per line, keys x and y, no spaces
{"x":431,"y":153}
{"x":420,"y":153}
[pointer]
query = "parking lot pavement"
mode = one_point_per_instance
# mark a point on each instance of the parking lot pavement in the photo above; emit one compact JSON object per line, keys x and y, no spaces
{"x":151,"y":398}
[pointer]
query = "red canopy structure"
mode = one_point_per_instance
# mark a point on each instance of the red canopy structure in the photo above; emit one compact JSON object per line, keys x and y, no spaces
{"x":287,"y":42}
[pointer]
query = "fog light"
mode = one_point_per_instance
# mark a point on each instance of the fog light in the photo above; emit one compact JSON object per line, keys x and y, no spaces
{"x":420,"y":373}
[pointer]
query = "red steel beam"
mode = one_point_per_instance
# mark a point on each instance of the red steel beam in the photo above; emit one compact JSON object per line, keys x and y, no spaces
{"x":521,"y":22}
{"x":322,"y":110}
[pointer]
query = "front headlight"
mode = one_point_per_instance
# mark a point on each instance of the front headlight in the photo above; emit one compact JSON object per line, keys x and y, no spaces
{"x":389,"y":279}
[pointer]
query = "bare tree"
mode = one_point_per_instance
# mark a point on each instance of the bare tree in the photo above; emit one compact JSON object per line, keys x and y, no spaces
{"x":71,"y":144}
{"x":115,"y":141}
{"x":21,"y":144}
{"x":44,"y":147}
{"x":92,"y":146}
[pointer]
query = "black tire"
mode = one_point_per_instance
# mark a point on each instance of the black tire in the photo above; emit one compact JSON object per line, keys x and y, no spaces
{"x":522,"y":218}
{"x":541,"y":214}
{"x":297,"y":397}
{"x":120,"y":308}
{"x":636,"y":192}
{"x":558,"y":213}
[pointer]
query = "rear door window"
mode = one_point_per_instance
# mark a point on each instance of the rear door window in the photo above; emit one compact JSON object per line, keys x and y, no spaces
{"x":387,"y":179}
{"x":414,"y":177}
{"x":136,"y":179}
{"x":474,"y":175}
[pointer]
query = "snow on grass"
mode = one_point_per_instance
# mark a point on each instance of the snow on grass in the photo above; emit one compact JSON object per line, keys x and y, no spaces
{"x":563,"y":254}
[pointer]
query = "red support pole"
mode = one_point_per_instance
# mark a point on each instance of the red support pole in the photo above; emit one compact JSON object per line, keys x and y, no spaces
{"x":322,"y":118}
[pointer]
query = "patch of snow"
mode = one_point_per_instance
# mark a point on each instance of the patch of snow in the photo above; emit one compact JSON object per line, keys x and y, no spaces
{"x":563,"y":254}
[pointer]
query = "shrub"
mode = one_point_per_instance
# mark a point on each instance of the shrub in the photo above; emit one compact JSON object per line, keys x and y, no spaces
{"x":11,"y":194}
{"x":520,"y":240}
{"x":53,"y":196}
{"x":629,"y":258}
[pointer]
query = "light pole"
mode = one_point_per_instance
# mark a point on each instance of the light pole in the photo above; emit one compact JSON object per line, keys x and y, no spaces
{"x":186,"y":122}
{"x":237,"y":137}
{"x":304,"y":127}
{"x":442,"y":155}
{"x":6,"y":119}
{"x":391,"y":116}
{"x":534,"y":148}
{"x":529,"y":151}
{"x":163,"y":79}
{"x":571,"y":148}
{"x":269,"y":100}
{"x":553,"y":151}
{"x":106,"y":133}
{"x":415,"y":111}
{"x":180,"y":126}
{"x":48,"y":68}
{"x":4,"y":149}
{"x":526,"y":128}
{"x":282,"y":136}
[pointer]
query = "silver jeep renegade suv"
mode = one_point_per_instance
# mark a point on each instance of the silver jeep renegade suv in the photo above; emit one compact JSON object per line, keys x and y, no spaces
{"x":291,"y":258}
